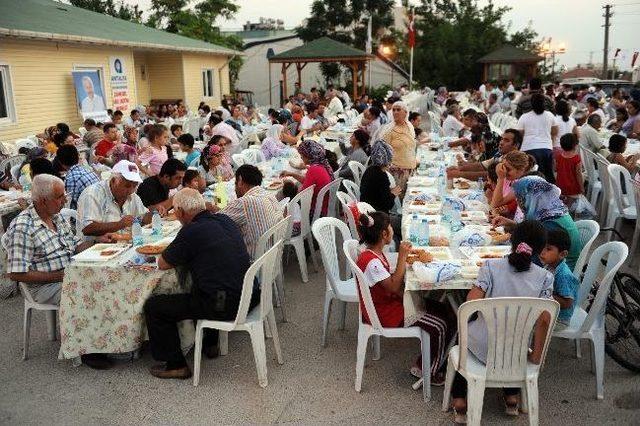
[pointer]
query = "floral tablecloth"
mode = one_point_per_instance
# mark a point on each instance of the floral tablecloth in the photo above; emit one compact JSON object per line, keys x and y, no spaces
{"x":101,"y":308}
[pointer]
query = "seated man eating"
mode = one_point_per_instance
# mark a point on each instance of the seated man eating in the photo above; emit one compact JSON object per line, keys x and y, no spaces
{"x":154,"y":190}
{"x":210,"y":247}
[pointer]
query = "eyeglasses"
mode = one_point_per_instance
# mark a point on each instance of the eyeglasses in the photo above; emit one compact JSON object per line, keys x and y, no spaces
{"x":397,"y":109}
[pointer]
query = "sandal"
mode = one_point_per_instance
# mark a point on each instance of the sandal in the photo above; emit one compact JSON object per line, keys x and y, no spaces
{"x":459,"y":418}
{"x":511,"y":408}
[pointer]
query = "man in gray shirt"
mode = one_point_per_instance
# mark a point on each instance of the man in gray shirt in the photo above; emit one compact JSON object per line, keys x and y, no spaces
{"x":590,"y":138}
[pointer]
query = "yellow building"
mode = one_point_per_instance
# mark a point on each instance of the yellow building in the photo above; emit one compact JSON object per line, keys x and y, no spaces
{"x":42,"y":42}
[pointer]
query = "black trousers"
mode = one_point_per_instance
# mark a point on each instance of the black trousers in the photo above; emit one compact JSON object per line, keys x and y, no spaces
{"x":459,"y":388}
{"x":544,"y":159}
{"x":164,"y":311}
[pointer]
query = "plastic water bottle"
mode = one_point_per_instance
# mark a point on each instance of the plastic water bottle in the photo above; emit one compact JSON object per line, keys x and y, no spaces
{"x":480,"y":184}
{"x":423,"y":235}
{"x":414,"y":228}
{"x":455,"y":220}
{"x":136,"y":233}
{"x":156,"y":226}
{"x":423,"y":162}
{"x":221,"y":194}
{"x":25,"y":183}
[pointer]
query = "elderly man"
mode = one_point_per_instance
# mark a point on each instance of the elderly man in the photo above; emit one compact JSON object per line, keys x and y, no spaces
{"x":255,"y":210}
{"x":590,"y":138}
{"x":210,"y":247}
{"x":112,"y":205}
{"x":154,"y":190}
{"x":335,"y":105}
{"x":510,"y":141}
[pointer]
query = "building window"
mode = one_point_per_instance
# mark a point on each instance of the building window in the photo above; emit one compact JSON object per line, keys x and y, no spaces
{"x":7,"y":114}
{"x":208,"y":83}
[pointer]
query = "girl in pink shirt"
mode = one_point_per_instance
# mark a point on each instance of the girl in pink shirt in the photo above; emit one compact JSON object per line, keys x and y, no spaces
{"x":154,"y":156}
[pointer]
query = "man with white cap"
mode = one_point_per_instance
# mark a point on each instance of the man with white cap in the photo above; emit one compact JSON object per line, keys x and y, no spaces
{"x":112,"y":205}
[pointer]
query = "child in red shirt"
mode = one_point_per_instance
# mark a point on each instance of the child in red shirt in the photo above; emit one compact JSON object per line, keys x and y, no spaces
{"x":569,"y":168}
{"x":387,"y":291}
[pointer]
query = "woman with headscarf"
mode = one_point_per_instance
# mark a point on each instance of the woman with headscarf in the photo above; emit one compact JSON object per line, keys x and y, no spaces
{"x":319,"y":172}
{"x":540,"y":200}
{"x":401,"y":136}
{"x":272,"y":146}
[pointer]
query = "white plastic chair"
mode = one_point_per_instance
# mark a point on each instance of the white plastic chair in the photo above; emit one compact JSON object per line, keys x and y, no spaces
{"x":358,"y":170}
{"x":277,"y":232}
{"x":251,"y":322}
{"x":607,"y":202}
{"x":595,"y":186}
{"x":352,"y":188}
{"x":303,"y":200}
{"x":25,"y":143}
{"x":69,"y":214}
{"x":253,"y":156}
{"x":11,"y":161}
{"x":328,"y":191}
{"x":589,"y":230}
{"x":590,"y":325}
{"x":625,"y":202}
{"x":325,"y":230}
{"x":82,"y":131}
{"x":375,"y":329}
{"x":238,"y":159}
{"x":636,"y":232}
{"x":15,"y":173}
{"x":345,"y":200}
{"x":510,"y":321}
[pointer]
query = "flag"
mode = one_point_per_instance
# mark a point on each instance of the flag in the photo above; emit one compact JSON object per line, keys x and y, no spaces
{"x":412,"y":31}
{"x":634,"y":58}
{"x":616,"y":54}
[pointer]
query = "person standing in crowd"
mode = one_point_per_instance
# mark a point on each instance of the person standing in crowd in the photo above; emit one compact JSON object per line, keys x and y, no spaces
{"x":359,"y":151}
{"x":77,"y":178}
{"x":524,"y":103}
{"x":255,"y":210}
{"x":569,"y":168}
{"x":399,"y":134}
{"x":211,"y":249}
{"x":564,"y":122}
{"x":154,"y":190}
{"x":319,"y":172}
{"x":538,"y":129}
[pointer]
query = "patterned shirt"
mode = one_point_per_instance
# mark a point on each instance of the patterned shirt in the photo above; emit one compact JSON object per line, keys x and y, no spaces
{"x":97,"y":204}
{"x":76,"y":180}
{"x":254,"y":213}
{"x":33,"y":246}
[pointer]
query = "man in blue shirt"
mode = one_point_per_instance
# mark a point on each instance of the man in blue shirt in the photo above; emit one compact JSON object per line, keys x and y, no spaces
{"x":210,"y":247}
{"x":77,"y":177}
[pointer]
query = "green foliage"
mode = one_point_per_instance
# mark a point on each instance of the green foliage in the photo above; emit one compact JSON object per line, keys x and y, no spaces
{"x":109,"y":7}
{"x":345,"y":21}
{"x":454,"y":34}
{"x":379,"y":92}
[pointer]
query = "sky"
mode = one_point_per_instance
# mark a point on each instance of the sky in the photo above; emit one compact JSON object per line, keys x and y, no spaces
{"x":576,"y":23}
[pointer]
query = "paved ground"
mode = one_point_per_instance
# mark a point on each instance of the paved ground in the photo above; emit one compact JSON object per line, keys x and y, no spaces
{"x":315,"y":385}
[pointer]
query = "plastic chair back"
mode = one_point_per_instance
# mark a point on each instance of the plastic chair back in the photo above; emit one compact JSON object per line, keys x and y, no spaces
{"x":589,"y":165}
{"x":69,"y":214}
{"x":357,"y":169}
{"x":353,"y":189}
{"x":238,"y":159}
{"x":253,"y":156}
{"x":603,"y":173}
{"x":303,"y":200}
{"x":589,"y":230}
{"x":345,"y":200}
{"x":351,"y":251}
{"x":276,"y":233}
{"x":7,"y":163}
{"x":510,"y":321}
{"x":330,"y":191}
{"x":325,"y":230}
{"x":636,"y":194}
{"x":615,"y":253}
{"x":266,"y":267}
{"x":624,"y":197}
{"x":15,"y":173}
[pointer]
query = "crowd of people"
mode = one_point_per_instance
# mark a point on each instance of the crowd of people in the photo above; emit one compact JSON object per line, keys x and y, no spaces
{"x":531,"y":173}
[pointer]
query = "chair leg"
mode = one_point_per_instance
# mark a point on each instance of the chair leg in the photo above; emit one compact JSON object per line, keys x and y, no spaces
{"x":598,"y":357}
{"x":343,"y":314}
{"x":259,"y":353}
{"x":425,"y":343}
{"x":475,"y":399}
{"x":302,"y":260}
{"x":51,"y":324}
{"x":361,"y":354}
{"x":532,"y":401}
{"x":279,"y":283}
{"x":328,"y":298}
{"x":448,"y":383}
{"x":223,"y":342}
{"x":197,"y":355}
{"x":376,"y":347}
{"x":26,"y":330}
{"x":634,"y":242}
{"x":312,"y":252}
{"x":578,"y":348}
{"x":276,"y":338}
{"x":524,"y":399}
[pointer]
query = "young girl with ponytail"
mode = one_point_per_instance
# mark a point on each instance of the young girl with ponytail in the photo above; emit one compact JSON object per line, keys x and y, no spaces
{"x":387,"y":289}
{"x":511,"y":276}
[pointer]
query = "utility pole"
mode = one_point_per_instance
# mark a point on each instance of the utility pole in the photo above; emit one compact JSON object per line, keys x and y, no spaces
{"x":591,"y":57}
{"x":607,"y":24}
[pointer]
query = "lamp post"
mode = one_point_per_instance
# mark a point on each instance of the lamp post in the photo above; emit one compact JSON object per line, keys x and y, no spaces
{"x":388,"y":52}
{"x":546,"y":48}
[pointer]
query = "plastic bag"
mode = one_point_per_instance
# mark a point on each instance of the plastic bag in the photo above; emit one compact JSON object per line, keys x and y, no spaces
{"x":581,"y":208}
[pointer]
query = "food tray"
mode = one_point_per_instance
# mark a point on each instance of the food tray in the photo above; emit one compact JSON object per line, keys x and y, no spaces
{"x":473,"y":215}
{"x":485,"y":252}
{"x":95,"y":252}
{"x":440,"y":253}
{"x":422,"y":181}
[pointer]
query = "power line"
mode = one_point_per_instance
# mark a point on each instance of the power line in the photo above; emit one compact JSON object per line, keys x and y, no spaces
{"x":625,"y":4}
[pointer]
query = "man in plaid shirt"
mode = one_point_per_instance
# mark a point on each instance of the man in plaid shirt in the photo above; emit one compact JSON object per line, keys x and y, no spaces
{"x":77,"y":177}
{"x":40,"y":242}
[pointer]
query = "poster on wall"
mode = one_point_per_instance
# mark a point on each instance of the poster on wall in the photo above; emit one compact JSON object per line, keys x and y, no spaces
{"x":119,"y":83}
{"x":89,"y":96}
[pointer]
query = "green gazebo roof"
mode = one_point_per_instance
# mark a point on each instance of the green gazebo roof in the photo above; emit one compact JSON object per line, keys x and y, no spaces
{"x":509,"y":54}
{"x":323,"y":49}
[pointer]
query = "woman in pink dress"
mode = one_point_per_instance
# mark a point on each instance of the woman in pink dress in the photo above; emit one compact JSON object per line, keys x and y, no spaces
{"x":153,"y":156}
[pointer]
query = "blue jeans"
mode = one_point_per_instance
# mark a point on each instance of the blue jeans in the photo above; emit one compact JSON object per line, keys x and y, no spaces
{"x":544,"y":159}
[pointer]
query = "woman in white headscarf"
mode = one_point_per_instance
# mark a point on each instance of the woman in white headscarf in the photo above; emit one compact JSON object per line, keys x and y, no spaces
{"x":400,"y":135}
{"x":272,"y":146}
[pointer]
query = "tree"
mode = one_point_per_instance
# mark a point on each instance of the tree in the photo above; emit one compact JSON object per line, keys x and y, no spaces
{"x":453,"y":35}
{"x":196,"y":19}
{"x":109,"y":7}
{"x":345,"y":21}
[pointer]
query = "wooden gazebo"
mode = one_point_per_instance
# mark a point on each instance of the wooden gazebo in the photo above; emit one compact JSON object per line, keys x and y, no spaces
{"x":509,"y":63}
{"x":324,"y":49}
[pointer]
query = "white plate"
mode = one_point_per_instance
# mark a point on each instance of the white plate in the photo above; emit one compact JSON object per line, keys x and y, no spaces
{"x":92,"y":254}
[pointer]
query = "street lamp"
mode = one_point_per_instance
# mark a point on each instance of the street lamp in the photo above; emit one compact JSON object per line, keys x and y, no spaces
{"x":546,"y":48}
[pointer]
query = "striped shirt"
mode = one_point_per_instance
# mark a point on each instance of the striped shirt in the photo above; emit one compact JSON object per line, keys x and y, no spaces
{"x":254,"y":213}
{"x":33,"y":246}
